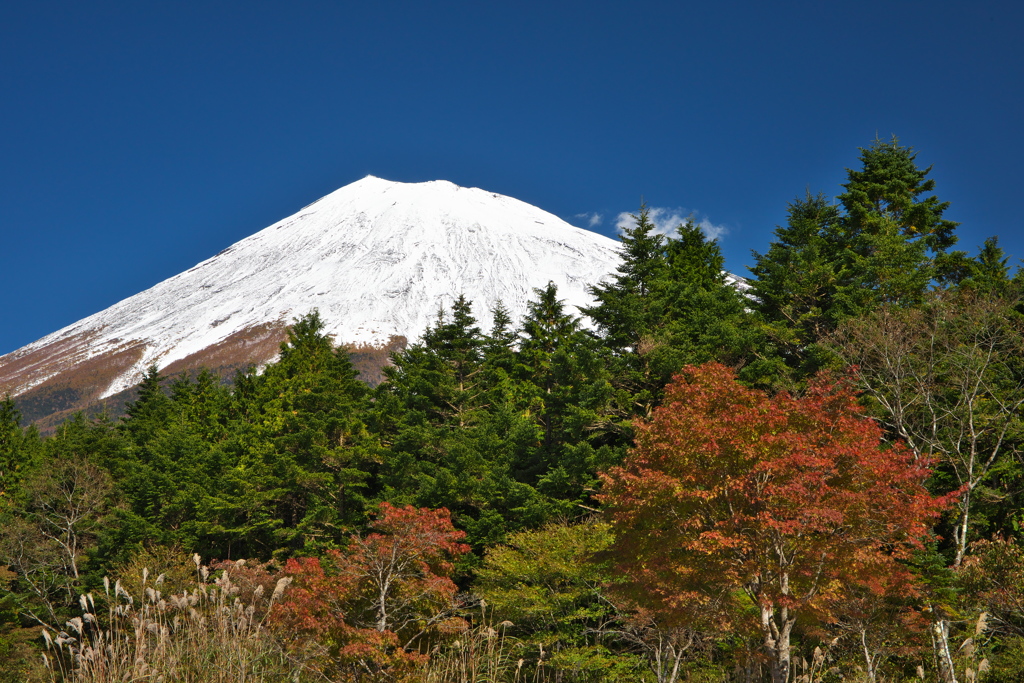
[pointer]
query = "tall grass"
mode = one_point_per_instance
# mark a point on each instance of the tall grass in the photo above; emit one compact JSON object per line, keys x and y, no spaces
{"x":205,"y":634}
{"x":485,"y":654}
{"x":215,"y":629}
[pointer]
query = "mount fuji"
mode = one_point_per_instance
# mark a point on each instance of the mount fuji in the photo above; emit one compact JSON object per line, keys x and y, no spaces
{"x":377,"y":258}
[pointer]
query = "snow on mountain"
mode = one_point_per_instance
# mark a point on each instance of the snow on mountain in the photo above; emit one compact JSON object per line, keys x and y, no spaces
{"x":377,"y":258}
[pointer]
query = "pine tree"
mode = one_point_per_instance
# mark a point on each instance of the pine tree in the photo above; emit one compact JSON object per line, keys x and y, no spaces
{"x":704,"y":315}
{"x":437,"y":380}
{"x":887,"y":190}
{"x":989,"y":271}
{"x":303,"y":452}
{"x":19,"y":452}
{"x":278,"y":465}
{"x":624,"y":313}
{"x":457,"y":346}
{"x":890,"y":235}
{"x":795,"y":285}
{"x":498,"y":347}
{"x":883,"y":244}
{"x":572,"y":406}
{"x":151,"y":408}
{"x":669,"y":305}
{"x":546,"y":329}
{"x":548,"y":340}
{"x":431,"y":415}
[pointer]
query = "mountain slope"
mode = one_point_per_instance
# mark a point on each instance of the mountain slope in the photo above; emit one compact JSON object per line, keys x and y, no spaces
{"x":377,"y":258}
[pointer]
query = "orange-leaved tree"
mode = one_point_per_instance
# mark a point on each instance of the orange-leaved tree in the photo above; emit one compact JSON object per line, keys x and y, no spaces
{"x":744,"y":511}
{"x":361,"y":612}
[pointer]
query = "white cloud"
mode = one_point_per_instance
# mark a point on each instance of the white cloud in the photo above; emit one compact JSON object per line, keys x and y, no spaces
{"x":666,"y":220}
{"x":712,"y":231}
{"x":593,"y":219}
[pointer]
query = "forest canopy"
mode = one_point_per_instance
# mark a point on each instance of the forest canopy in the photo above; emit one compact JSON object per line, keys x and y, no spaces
{"x":813,"y":475}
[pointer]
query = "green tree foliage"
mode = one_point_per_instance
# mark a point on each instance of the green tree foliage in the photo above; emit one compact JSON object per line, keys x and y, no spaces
{"x":989,"y":271}
{"x":892,"y":236}
{"x":278,"y":465}
{"x":167,"y":464}
{"x":465,"y":419}
{"x":887,"y":245}
{"x":625,"y":313}
{"x":795,"y":285}
{"x":543,"y":580}
{"x":499,"y":350}
{"x":19,"y":453}
{"x":569,"y":398}
{"x":669,"y":304}
{"x":303,"y":453}
{"x":705,"y":316}
{"x":437,"y":381}
{"x":550,"y":587}
{"x":430,"y":417}
{"x":887,"y":191}
{"x":150,"y":410}
{"x":17,"y":657}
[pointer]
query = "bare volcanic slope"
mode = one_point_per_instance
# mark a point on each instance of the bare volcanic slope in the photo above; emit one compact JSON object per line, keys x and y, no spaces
{"x":377,"y":258}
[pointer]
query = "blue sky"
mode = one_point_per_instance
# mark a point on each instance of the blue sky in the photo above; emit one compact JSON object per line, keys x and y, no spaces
{"x":141,"y":138}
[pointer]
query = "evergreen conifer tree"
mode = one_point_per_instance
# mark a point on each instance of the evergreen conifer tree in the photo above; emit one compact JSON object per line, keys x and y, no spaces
{"x":19,"y":452}
{"x":669,"y":305}
{"x":430,"y":415}
{"x":795,"y":285}
{"x":885,"y":243}
{"x":890,"y":235}
{"x":150,"y":409}
{"x":571,"y":404}
{"x":704,"y":315}
{"x":625,"y":313}
{"x":498,"y":348}
{"x":989,"y":271}
{"x":303,"y":454}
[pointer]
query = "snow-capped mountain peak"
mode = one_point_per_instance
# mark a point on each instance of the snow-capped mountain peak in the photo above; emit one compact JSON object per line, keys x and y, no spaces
{"x":377,"y":258}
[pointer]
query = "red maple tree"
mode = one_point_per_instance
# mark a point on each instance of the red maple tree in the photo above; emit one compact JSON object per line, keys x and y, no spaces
{"x":742,"y":511}
{"x":361,"y":611}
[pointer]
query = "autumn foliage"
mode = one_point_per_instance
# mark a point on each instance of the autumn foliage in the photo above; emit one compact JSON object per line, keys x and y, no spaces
{"x":366,"y":612}
{"x":744,"y":511}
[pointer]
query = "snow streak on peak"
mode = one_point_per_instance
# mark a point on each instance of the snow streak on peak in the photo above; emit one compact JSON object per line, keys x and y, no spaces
{"x":377,"y":258}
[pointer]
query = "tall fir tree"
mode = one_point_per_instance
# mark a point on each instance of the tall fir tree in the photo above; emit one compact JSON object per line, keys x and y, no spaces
{"x":668,"y":305}
{"x":304,"y":453}
{"x":151,"y":407}
{"x":571,"y":404}
{"x":795,"y":284}
{"x":891,"y":235}
{"x":551,"y":350}
{"x":704,"y":314}
{"x":431,"y":415}
{"x":20,"y":449}
{"x":624,"y":312}
{"x":885,"y":243}
{"x":989,"y":271}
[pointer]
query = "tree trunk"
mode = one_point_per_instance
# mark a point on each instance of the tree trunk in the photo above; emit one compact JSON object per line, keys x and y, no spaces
{"x":869,"y":662}
{"x":776,"y":641}
{"x":961,"y":530}
{"x":943,"y":658}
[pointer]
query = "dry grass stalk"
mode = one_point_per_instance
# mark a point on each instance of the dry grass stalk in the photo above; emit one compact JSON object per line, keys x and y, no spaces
{"x":204,"y":635}
{"x":482,"y":654}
